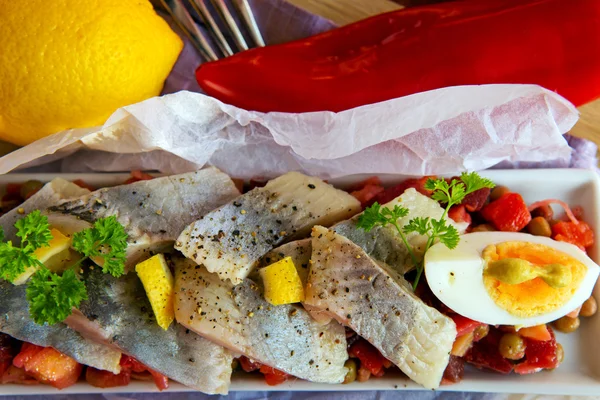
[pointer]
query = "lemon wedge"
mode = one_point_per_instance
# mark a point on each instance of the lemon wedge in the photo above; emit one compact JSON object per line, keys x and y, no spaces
{"x":282,"y":283}
{"x":52,"y":256}
{"x":158,"y":284}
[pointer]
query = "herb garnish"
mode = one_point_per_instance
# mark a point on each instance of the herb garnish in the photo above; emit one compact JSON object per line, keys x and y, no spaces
{"x":52,"y":296}
{"x":450,"y":194}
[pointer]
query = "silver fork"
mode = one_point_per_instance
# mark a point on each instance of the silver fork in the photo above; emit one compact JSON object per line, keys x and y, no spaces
{"x":214,"y":42}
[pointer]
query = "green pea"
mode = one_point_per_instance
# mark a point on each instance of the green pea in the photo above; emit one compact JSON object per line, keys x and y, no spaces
{"x":351,"y":374}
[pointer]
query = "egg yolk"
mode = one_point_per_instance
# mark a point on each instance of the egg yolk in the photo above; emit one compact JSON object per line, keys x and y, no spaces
{"x":533,"y":297}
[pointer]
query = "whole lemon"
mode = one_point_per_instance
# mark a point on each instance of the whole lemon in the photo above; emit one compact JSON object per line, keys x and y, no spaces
{"x":71,"y":63}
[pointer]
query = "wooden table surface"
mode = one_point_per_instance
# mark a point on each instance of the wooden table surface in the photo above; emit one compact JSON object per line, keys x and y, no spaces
{"x":346,"y":11}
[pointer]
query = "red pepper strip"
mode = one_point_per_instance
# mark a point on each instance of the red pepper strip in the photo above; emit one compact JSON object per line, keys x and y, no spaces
{"x":464,"y":325}
{"x":391,"y":193}
{"x":580,"y":234}
{"x":368,"y":355}
{"x":485,"y":354}
{"x":539,"y":355}
{"x":249,"y":365}
{"x":552,"y":43}
{"x":509,"y":213}
{"x":454,"y":371}
{"x":273,"y":376}
{"x":459,"y":214}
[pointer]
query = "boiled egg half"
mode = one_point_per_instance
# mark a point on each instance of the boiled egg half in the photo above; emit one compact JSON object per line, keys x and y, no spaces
{"x":506,"y":278}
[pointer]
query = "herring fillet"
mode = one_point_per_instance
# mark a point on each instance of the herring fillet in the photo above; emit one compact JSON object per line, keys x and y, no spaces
{"x":14,"y":307}
{"x":239,"y":318}
{"x":52,"y":193}
{"x":382,"y":243}
{"x":15,"y":321}
{"x":230,"y":240}
{"x":118,"y":313}
{"x":377,"y":303}
{"x":153,"y":212}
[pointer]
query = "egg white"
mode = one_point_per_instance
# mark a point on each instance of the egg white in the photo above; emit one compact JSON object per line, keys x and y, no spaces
{"x":456,"y":278}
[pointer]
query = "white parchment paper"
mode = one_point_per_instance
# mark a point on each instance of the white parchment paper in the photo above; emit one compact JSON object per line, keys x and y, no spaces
{"x":442,"y":131}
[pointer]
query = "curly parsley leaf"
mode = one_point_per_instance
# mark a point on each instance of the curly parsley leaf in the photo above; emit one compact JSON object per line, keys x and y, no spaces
{"x":420,"y":225}
{"x":1,"y":234}
{"x":473,"y":182}
{"x":106,"y":239}
{"x":445,"y":233}
{"x":34,"y":231}
{"x":447,"y":193}
{"x":52,"y":297}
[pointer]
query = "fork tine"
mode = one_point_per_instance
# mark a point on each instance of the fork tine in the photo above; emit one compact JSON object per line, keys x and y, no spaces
{"x":189,"y":27}
{"x":204,"y":12}
{"x":221,"y":6}
{"x":246,"y":12}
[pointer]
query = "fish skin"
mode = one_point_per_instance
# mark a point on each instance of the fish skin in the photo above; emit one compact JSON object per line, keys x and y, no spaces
{"x":118,"y":313}
{"x":239,"y":318}
{"x":52,"y":193}
{"x":230,"y":240}
{"x":15,"y":321}
{"x":153,"y":212}
{"x":377,"y":303}
{"x":383,"y":243}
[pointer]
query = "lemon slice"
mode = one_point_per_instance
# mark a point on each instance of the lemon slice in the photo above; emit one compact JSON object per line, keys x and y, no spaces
{"x":53,"y":256}
{"x":282,"y":283}
{"x":158,"y":283}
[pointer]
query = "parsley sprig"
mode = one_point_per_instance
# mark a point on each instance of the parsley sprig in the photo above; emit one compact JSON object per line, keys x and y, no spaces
{"x":448,"y":194}
{"x":52,"y":296}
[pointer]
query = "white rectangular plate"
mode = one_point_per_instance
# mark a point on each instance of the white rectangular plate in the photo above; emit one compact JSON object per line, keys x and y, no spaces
{"x":579,"y":374}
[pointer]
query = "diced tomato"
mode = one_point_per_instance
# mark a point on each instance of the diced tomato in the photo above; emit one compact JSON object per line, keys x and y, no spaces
{"x":580,"y":234}
{"x":366,"y":190}
{"x":249,"y":365}
{"x":28,"y":351}
{"x":367,"y":193}
{"x":538,"y":332}
{"x":464,"y":325}
{"x":48,"y":366}
{"x":476,"y":200}
{"x":459,"y":214}
{"x":106,"y":379}
{"x":391,"y":193}
{"x":13,"y":188}
{"x":454,"y":371}
{"x":137,"y":176}
{"x":273,"y":376}
{"x":83,"y":184}
{"x":375,"y":181}
{"x":161,"y":381}
{"x":509,"y":213}
{"x":16,"y":375}
{"x":368,"y":355}
{"x":539,"y":355}
{"x":134,"y":366}
{"x":485,"y":354}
